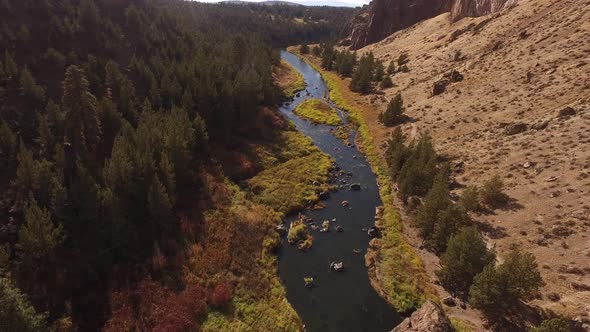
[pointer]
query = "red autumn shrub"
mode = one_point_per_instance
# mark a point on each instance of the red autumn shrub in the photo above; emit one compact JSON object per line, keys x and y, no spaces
{"x":152,"y":307}
{"x":221,"y":295}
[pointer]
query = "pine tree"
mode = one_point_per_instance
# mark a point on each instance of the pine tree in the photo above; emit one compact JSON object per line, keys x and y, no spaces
{"x":465,"y":257}
{"x":82,"y":125}
{"x":16,"y":313}
{"x":45,"y":140}
{"x":363,"y":75}
{"x":160,"y":209}
{"x":168,"y":177}
{"x":30,"y":90}
{"x":394,"y":114}
{"x":38,"y":238}
{"x":8,"y":144}
{"x":26,"y":172}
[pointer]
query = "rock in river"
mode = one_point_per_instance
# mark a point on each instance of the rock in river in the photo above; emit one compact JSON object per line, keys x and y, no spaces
{"x":355,"y":186}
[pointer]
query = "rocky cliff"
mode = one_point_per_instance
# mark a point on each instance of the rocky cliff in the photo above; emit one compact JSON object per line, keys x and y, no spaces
{"x":384,"y":17}
{"x":429,"y":318}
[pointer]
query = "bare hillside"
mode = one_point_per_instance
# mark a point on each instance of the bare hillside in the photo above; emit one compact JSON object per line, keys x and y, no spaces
{"x":522,"y":111}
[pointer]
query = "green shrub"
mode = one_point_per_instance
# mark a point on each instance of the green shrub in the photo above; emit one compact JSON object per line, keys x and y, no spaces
{"x":470,"y":198}
{"x":492,"y":192}
{"x":553,"y":325}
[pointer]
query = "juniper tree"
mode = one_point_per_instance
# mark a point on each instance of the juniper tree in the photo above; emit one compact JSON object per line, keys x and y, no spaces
{"x":397,"y":153}
{"x":497,"y":289}
{"x":394,"y":114}
{"x":465,"y":257}
{"x":379,"y":71}
{"x":435,"y":202}
{"x":386,"y":82}
{"x":391,"y":68}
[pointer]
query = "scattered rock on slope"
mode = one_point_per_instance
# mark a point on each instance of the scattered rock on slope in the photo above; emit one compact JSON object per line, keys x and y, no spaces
{"x":429,"y":318}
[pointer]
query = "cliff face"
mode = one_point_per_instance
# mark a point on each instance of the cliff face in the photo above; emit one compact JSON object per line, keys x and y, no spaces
{"x":475,"y":8}
{"x":384,"y":17}
{"x":429,"y":318}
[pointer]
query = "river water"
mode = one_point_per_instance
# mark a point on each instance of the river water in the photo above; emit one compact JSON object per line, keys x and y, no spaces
{"x":340,"y":301}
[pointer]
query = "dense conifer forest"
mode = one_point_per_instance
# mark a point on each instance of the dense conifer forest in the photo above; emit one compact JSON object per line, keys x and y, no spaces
{"x":120,"y":123}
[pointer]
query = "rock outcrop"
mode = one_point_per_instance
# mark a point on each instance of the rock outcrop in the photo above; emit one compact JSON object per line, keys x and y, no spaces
{"x":429,"y":318}
{"x":384,"y":17}
{"x":475,"y":8}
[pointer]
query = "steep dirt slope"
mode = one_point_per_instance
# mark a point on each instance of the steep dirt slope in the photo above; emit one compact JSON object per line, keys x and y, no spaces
{"x":520,"y":66}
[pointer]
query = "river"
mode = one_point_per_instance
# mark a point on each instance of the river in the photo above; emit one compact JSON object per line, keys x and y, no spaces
{"x":340,"y":301}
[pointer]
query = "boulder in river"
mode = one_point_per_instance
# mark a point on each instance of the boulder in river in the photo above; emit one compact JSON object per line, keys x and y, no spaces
{"x":324,"y":195}
{"x":281,"y":229}
{"x":337,"y":266}
{"x":339,"y":229}
{"x":345,"y":203}
{"x":355,"y":186}
{"x":373,"y":231}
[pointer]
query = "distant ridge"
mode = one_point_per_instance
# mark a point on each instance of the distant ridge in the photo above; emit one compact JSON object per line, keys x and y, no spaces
{"x":288,"y":3}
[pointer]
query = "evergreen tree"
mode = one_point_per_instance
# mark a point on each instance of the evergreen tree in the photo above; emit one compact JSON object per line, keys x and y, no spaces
{"x":394,"y":114}
{"x":328,"y":57}
{"x":16,"y":313}
{"x":448,"y":223}
{"x":8,"y":145}
{"x":498,"y":289}
{"x":418,"y":172}
{"x":386,"y":82}
{"x":82,"y":125}
{"x":435,"y":202}
{"x":45,"y":140}
{"x":465,"y":257}
{"x":30,"y":90}
{"x":363,"y":75}
{"x":391,"y":68}
{"x":397,"y":153}
{"x":403,"y":59}
{"x":379,"y":71}
{"x":160,"y":209}
{"x":470,"y":198}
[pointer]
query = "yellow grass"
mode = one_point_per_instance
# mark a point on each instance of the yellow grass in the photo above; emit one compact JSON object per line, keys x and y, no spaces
{"x":288,"y":79}
{"x":318,"y":111}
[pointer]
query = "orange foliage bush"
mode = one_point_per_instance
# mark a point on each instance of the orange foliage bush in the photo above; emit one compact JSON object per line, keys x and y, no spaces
{"x":222,"y":294}
{"x":152,"y":307}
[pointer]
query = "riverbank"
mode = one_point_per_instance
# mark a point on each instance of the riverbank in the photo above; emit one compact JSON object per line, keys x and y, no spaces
{"x":395,"y":269}
{"x":292,"y":171}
